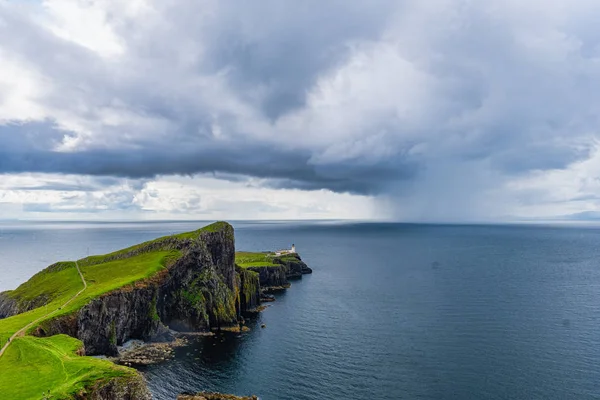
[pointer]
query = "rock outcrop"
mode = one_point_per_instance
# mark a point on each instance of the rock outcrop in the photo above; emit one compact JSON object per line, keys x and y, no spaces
{"x":213,"y":396}
{"x":8,"y":306}
{"x":121,"y":388}
{"x":200,"y":291}
{"x":271,"y":277}
{"x":294,"y":266}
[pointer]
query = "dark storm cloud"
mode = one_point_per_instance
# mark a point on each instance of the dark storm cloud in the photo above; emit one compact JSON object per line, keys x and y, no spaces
{"x":285,"y":170}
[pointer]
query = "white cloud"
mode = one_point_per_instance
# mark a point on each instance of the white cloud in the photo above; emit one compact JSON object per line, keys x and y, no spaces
{"x":49,"y":196}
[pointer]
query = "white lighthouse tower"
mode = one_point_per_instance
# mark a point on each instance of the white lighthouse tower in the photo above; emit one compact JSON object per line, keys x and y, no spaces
{"x":293,"y":250}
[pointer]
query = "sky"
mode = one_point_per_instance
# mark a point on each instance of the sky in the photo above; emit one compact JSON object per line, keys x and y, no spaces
{"x":420,"y":111}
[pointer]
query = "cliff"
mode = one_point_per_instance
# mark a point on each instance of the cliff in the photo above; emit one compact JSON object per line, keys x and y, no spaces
{"x":199,"y":291}
{"x":213,"y":396}
{"x":271,"y":276}
{"x":122,"y":388}
{"x":250,"y":287}
{"x":8,"y":306}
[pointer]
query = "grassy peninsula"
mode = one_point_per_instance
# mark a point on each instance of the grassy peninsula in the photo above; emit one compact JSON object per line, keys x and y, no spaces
{"x":34,"y":367}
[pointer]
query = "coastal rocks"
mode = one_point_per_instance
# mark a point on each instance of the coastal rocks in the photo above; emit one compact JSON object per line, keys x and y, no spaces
{"x":266,"y":298}
{"x":137,"y":353}
{"x":146,"y":354}
{"x":214,"y":396}
{"x":121,"y":388}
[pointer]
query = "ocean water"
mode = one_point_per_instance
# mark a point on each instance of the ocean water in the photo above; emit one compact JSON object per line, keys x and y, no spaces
{"x":392,"y":311}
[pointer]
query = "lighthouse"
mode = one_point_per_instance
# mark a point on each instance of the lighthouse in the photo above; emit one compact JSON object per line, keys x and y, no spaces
{"x":293,"y":250}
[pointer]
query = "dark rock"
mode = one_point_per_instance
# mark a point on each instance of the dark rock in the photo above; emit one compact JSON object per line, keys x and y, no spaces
{"x":8,"y":306}
{"x":249,"y":290}
{"x":267,"y":297}
{"x":213,"y":396}
{"x":121,"y":388}
{"x":163,"y":335}
{"x":271,"y":276}
{"x":146,"y":354}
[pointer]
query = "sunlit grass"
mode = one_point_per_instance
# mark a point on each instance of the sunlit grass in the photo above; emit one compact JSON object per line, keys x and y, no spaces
{"x":247,"y":259}
{"x":35,"y":367}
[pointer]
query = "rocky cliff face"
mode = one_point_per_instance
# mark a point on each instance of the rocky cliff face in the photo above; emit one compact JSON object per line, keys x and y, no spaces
{"x":294,"y":266}
{"x":214,"y":396}
{"x":271,"y":277}
{"x":8,"y":306}
{"x":249,"y":289}
{"x":200,"y":291}
{"x":124,"y":388}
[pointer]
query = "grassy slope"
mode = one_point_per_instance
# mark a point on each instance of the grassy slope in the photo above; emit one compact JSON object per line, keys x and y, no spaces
{"x":33,"y":367}
{"x":29,"y":357}
{"x":101,"y":278}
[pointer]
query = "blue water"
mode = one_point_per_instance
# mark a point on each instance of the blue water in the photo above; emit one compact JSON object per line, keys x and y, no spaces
{"x":392,"y":311}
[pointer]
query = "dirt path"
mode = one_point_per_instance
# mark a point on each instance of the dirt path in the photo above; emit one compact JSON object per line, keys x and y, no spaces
{"x":22,"y":331}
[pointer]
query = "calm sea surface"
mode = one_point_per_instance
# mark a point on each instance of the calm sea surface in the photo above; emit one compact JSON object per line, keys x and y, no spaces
{"x":392,"y":311}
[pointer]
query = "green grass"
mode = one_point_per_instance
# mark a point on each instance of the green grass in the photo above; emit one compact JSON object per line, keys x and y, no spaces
{"x":58,"y":285}
{"x":247,"y":259}
{"x":53,"y":282}
{"x":288,"y":258}
{"x":215,"y":227}
{"x":165,"y":241}
{"x":105,"y":277}
{"x":33,"y":367}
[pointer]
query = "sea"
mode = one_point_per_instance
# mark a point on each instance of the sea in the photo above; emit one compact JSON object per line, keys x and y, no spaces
{"x":392,"y":311}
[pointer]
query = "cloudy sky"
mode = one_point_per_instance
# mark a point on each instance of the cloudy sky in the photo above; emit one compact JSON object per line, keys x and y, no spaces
{"x":438,"y":110}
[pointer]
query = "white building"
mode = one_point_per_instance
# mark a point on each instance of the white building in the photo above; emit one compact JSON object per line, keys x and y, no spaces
{"x":286,"y":251}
